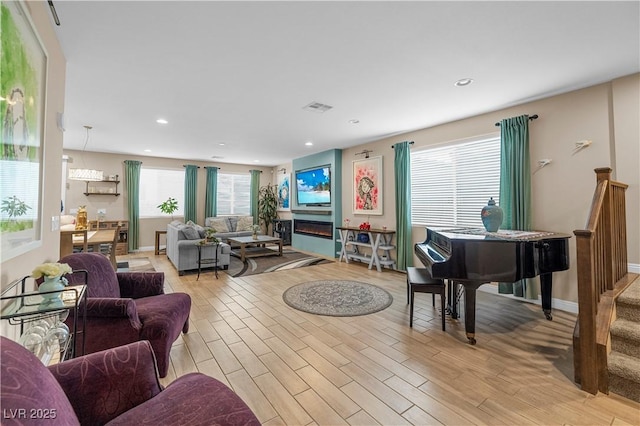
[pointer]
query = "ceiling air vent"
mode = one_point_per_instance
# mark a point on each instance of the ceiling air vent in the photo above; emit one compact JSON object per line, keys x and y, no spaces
{"x":317,"y":107}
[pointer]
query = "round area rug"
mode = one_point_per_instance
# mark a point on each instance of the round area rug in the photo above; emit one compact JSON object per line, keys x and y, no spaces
{"x":337,"y":298}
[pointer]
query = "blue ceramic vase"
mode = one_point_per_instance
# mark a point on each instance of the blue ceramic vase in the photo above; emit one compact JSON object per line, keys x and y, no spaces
{"x":50,"y":300}
{"x":492,"y":216}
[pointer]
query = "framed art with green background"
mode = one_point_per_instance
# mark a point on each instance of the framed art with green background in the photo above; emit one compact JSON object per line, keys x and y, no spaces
{"x":23,"y":62}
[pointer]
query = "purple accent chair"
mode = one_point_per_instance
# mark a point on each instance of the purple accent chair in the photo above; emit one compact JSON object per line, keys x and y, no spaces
{"x":124,"y":307}
{"x":116,"y":387}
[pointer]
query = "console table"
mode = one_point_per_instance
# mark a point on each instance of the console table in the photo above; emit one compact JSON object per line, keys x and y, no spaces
{"x":379,"y":240}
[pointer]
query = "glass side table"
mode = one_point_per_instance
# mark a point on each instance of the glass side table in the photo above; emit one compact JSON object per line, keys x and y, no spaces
{"x":208,"y":261}
{"x":28,"y":310}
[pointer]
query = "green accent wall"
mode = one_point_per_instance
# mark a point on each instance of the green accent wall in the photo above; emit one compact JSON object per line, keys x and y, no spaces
{"x":333,"y":214}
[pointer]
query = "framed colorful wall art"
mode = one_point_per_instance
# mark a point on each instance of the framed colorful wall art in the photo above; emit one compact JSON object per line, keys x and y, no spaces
{"x":367,"y":186}
{"x":284,"y":192}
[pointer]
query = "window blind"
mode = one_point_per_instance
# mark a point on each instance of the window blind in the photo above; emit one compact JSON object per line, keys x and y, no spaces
{"x":156,"y":186}
{"x":233,"y":196}
{"x":451,"y":184}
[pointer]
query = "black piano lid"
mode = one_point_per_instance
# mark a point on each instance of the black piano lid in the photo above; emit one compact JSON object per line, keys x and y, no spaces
{"x":501,"y":235}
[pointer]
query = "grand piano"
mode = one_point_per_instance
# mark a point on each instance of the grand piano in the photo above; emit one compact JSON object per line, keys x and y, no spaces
{"x":472,"y":257}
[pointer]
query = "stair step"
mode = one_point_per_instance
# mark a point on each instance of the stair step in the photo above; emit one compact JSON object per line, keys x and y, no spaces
{"x":624,"y":375}
{"x":628,"y":303}
{"x":625,"y":337}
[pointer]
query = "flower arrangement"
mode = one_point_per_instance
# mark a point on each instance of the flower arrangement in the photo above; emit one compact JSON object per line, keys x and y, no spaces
{"x":255,"y":228}
{"x":50,"y":270}
{"x":365,"y":226}
{"x":210,"y":233}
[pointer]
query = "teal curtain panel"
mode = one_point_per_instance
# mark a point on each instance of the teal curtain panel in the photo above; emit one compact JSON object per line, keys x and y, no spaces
{"x":255,"y":190}
{"x":210,"y":197}
{"x":404,"y":240}
{"x":515,"y":189}
{"x":190,"y":193}
{"x":132,"y":184}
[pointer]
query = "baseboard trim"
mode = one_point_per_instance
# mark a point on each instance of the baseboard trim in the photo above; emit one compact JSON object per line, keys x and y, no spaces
{"x":559,"y":304}
{"x":634,"y":268}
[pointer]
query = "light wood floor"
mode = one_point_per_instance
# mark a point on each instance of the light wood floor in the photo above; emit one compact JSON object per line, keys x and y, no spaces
{"x":295,"y":368}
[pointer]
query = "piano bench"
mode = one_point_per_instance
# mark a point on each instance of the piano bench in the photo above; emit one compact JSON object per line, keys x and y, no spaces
{"x":419,"y":281}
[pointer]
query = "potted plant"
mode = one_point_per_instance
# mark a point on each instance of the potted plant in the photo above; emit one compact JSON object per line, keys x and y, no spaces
{"x":255,"y":229}
{"x":210,"y":236}
{"x":267,"y":205}
{"x":169,"y":206}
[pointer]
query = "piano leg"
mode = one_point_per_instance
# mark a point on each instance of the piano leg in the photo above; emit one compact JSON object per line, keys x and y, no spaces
{"x":452,"y":299}
{"x":546,"y":281}
{"x":470,"y":288}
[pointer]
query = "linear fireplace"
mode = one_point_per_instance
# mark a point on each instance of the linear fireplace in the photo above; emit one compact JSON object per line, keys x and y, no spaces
{"x":313,"y":228}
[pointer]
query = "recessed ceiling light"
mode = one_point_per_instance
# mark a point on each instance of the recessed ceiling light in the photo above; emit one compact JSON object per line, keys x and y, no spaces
{"x":256,"y":161}
{"x":222,"y":144}
{"x":354,"y":121}
{"x":308,"y":143}
{"x":147,"y":150}
{"x":162,"y":121}
{"x":463,"y":82}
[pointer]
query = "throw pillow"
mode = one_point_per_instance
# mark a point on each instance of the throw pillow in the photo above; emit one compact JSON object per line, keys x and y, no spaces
{"x":219,"y":224}
{"x":200,"y":230}
{"x":244,"y":223}
{"x":190,"y":233}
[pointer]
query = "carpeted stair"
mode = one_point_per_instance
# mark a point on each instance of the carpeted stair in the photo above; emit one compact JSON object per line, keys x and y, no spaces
{"x":624,"y":359}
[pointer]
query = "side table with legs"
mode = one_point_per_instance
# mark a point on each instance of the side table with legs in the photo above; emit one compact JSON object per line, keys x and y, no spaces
{"x":159,"y":250}
{"x":205,"y":261}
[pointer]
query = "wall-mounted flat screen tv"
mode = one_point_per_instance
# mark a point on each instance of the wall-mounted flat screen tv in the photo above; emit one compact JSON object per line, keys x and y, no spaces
{"x":314,"y":186}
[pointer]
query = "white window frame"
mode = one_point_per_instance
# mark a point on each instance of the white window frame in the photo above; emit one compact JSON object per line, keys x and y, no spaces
{"x":235,"y":207}
{"x":151,"y":194}
{"x":451,"y":182}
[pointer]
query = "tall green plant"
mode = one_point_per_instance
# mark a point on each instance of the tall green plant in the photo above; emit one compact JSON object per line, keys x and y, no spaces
{"x":267,"y":205}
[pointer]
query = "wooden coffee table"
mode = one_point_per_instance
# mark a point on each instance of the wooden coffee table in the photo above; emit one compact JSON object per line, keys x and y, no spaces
{"x":250,"y":247}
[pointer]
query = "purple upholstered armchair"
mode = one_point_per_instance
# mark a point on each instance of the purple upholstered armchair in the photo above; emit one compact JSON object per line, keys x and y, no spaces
{"x":117,"y":387}
{"x":124,"y":307}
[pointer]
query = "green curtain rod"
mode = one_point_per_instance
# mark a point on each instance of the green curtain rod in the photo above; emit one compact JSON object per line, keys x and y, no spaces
{"x":533,"y":117}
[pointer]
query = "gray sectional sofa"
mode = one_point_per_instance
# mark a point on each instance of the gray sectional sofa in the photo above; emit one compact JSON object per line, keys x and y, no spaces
{"x":182,"y":250}
{"x":182,"y":238}
{"x":230,"y":226}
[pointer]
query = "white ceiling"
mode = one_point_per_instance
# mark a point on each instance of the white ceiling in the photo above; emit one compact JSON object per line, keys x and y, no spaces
{"x":239,"y":73}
